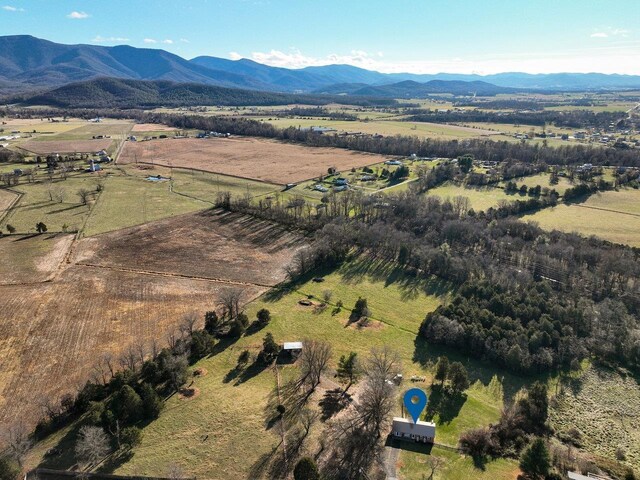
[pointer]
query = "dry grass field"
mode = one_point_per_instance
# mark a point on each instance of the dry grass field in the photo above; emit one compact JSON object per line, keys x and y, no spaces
{"x":66,"y":146}
{"x":53,"y":333}
{"x":209,"y":244}
{"x":31,"y":258}
{"x":254,"y":158}
{"x":6,"y":200}
{"x":152,"y":127}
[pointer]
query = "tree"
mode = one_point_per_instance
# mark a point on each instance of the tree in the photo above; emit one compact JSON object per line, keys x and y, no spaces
{"x":349,"y":369}
{"x":314,"y":361}
{"x":442,"y":369}
{"x":127,"y":405}
{"x":239,"y":325}
{"x":270,"y":350}
{"x":131,"y":437}
{"x":9,"y":469}
{"x":16,"y":439}
{"x":535,"y":407}
{"x":476,"y":442}
{"x":383,"y":364}
{"x":83,"y":194}
{"x":41,"y":227}
{"x":306,"y":469}
{"x":244,"y":357}
{"x":11,"y":228}
{"x":458,"y":377}
{"x":92,"y":444}
{"x":212,"y":323}
{"x":264,"y":317}
{"x":151,"y":402}
{"x":535,"y":462}
{"x":359,"y":310}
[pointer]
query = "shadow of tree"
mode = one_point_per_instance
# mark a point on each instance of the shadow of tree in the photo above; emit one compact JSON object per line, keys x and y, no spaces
{"x":332,"y":402}
{"x":445,"y":404}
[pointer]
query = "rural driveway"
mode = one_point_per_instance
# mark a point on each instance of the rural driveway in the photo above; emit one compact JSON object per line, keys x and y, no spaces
{"x":391,"y":454}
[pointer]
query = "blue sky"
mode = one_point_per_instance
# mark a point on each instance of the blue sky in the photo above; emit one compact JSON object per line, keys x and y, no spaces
{"x":427,"y":36}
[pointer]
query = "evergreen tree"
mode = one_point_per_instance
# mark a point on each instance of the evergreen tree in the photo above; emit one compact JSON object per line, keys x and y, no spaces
{"x":458,"y":377}
{"x":306,"y":469}
{"x":535,"y":462}
{"x":349,"y":369}
{"x":442,"y":369}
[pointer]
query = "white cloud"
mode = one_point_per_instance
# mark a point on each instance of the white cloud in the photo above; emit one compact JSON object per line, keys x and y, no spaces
{"x":101,"y":39}
{"x":10,"y":8}
{"x":149,"y":40}
{"x":78,"y":15}
{"x":620,"y":57}
{"x":168,"y":41}
{"x":184,"y":40}
{"x":606,"y":32}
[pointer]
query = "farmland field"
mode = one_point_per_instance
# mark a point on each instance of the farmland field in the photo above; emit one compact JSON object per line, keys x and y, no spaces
{"x":253,"y":158}
{"x":481,"y":198}
{"x":66,"y":146}
{"x":613,"y":216}
{"x":385,"y":126}
{"x":129,"y":201}
{"x":31,"y":258}
{"x":49,"y":346}
{"x":6,"y":200}
{"x":209,"y":244}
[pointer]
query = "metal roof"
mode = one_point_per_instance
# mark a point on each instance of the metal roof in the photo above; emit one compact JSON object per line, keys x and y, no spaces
{"x":293,"y":345}
{"x":405,"y":426}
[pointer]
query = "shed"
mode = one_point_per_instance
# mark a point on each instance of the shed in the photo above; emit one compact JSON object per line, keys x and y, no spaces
{"x":404,"y":429}
{"x":293,"y":349}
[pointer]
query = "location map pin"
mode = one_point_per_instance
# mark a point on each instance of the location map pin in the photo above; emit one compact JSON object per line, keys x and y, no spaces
{"x":415,"y":400}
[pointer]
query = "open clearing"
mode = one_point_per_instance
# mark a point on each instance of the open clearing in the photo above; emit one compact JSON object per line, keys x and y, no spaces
{"x":66,"y":146}
{"x":52,"y":334}
{"x":6,"y":200}
{"x":254,"y":158}
{"x":613,"y":216}
{"x":152,"y":127}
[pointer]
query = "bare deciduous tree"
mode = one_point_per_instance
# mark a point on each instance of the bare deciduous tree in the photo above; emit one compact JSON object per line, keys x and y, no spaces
{"x":16,"y":438}
{"x":383,"y":364}
{"x":188,"y":324}
{"x":92,"y":444}
{"x":314,"y":361}
{"x":230,"y":301}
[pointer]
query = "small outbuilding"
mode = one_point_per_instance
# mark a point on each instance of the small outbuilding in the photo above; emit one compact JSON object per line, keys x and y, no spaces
{"x":404,"y":429}
{"x":293,"y":349}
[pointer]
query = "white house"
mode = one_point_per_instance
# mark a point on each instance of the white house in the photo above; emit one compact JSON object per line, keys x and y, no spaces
{"x":405,"y":429}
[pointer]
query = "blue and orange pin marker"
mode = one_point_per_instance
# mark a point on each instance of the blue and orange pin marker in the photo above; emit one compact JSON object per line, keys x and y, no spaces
{"x":415,"y":400}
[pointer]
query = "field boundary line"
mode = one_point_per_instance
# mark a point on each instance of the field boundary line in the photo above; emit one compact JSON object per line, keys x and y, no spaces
{"x":606,"y":210}
{"x":9,"y":210}
{"x":174,"y":275}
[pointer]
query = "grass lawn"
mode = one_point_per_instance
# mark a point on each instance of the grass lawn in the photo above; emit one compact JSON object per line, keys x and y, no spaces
{"x":36,"y":205}
{"x":481,"y":198}
{"x":129,"y":201}
{"x":413,"y":465}
{"x":543,"y":179}
{"x":613,"y":216}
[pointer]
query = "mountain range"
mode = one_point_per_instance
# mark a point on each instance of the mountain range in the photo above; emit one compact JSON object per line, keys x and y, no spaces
{"x":30,"y":63}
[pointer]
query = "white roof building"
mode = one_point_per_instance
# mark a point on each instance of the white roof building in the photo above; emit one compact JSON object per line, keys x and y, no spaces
{"x":293,"y":345}
{"x":418,"y":432}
